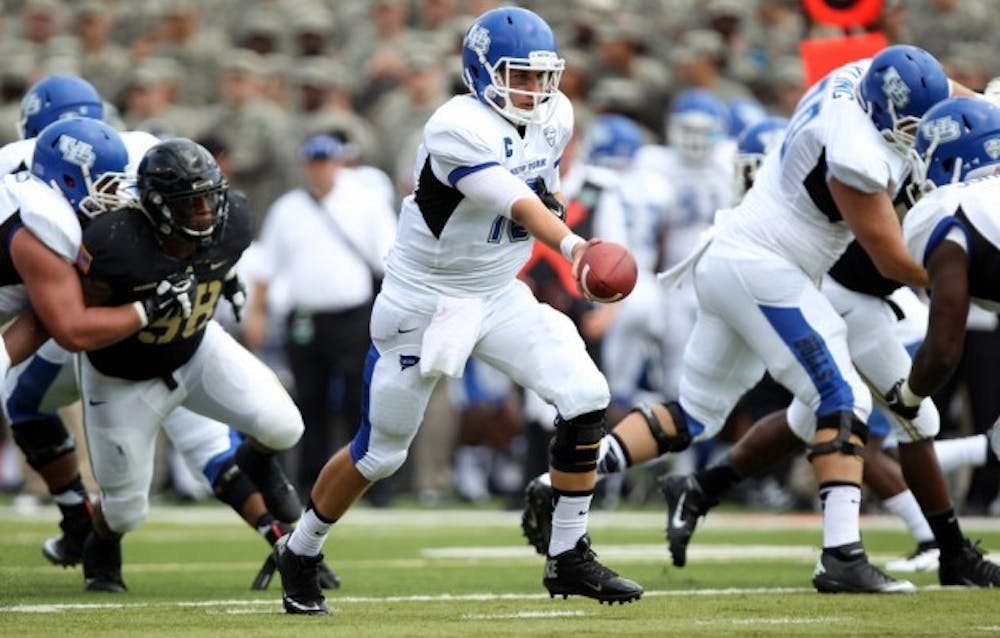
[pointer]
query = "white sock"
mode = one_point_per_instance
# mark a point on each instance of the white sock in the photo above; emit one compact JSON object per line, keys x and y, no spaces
{"x":841,"y":510}
{"x":569,"y":522}
{"x":309,"y":535}
{"x":905,"y":506}
{"x":968,"y":451}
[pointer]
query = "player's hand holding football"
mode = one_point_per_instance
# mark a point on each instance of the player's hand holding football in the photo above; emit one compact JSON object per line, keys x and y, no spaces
{"x":235,"y":292}
{"x":173,"y":295}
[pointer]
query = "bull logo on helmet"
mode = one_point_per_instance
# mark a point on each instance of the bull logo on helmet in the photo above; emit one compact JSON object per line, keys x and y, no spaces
{"x":895,"y":88}
{"x":992,"y":147}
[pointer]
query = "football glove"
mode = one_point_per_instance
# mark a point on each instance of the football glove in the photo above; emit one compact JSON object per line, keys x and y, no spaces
{"x":174,"y":294}
{"x":235,"y":292}
{"x":549,"y":199}
{"x":900,"y":403}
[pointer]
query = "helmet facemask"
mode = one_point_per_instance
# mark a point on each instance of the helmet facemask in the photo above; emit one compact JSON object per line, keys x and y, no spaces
{"x":109,"y":192}
{"x":182,"y":211}
{"x":500,"y":94}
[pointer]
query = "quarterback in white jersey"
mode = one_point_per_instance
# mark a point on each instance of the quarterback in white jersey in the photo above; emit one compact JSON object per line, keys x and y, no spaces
{"x":451,"y":291}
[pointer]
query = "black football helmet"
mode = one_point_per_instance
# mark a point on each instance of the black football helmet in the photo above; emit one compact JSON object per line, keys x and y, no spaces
{"x":183,"y":191}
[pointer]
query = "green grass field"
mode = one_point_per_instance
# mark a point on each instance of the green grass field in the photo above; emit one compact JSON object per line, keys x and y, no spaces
{"x":468,"y":573}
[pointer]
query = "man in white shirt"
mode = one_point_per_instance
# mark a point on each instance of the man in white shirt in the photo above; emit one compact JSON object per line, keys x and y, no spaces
{"x":326,"y":242}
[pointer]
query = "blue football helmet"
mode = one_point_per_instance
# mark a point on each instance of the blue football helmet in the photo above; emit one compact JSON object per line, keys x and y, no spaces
{"x":743,"y":113}
{"x":56,"y":97}
{"x":85,"y":160}
{"x":512,"y":39}
{"x":902,"y":82}
{"x":958,"y":139}
{"x":612,"y":140}
{"x":698,"y":122}
{"x":751,"y":147}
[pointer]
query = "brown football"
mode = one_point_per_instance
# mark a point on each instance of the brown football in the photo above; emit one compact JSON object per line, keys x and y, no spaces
{"x":607,"y":272}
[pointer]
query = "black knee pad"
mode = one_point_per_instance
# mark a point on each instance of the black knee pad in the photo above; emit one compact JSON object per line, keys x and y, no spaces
{"x":577,"y":442}
{"x":232,"y":486}
{"x":846,"y":424}
{"x":43,"y":441}
{"x":666,"y":442}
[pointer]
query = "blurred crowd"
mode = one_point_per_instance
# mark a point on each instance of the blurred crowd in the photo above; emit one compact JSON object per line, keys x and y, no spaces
{"x":253,"y":79}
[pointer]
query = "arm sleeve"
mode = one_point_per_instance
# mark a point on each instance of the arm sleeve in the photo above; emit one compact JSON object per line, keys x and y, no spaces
{"x":494,"y":188}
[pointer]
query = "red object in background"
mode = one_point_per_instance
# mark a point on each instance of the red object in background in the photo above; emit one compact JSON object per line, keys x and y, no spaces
{"x":844,"y":13}
{"x":820,"y":56}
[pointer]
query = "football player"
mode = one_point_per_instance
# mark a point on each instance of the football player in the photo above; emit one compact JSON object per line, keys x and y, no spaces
{"x":451,"y":291}
{"x":185,"y":217}
{"x":697,"y":164}
{"x":33,"y":390}
{"x":758,"y":307}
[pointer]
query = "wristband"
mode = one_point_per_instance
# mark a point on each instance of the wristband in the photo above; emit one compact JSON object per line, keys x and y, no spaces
{"x":141,"y":311}
{"x":908,"y":396}
{"x":568,"y":243}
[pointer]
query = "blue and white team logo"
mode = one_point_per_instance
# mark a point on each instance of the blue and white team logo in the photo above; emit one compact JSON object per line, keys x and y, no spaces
{"x":478,"y":39}
{"x":31,"y":104}
{"x":549,"y":133}
{"x":77,"y":151}
{"x":895,"y":88}
{"x":992,"y":148}
{"x":942,"y":129}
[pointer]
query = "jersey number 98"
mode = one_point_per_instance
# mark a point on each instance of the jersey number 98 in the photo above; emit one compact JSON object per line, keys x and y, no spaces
{"x":168,"y":329}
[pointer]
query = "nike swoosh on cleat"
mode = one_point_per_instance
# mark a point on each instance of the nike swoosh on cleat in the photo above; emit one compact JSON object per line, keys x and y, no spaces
{"x":298,"y":605}
{"x":677,"y":520}
{"x":598,"y":587}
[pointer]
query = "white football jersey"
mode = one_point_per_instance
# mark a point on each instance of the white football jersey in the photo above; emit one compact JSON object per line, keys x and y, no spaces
{"x":789,"y":209}
{"x":445,"y":243}
{"x":964,"y":213}
{"x":43,"y":210}
{"x":700,"y":189}
{"x":17,"y":155}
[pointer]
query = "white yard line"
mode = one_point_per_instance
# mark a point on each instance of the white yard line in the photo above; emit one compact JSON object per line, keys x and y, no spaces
{"x":334,"y":599}
{"x":430,"y":517}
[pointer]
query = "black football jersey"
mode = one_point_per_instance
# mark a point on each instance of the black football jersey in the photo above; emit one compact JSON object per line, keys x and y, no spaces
{"x":121,"y":256}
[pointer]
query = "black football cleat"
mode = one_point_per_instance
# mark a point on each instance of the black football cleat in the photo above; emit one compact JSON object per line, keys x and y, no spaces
{"x":300,"y":588}
{"x":536,"y":520}
{"x":968,"y":568}
{"x":834,"y":575}
{"x":65,"y":550}
{"x":280,"y":496}
{"x":102,"y":565}
{"x":686,"y":503}
{"x":576,"y":572}
{"x":328,"y":578}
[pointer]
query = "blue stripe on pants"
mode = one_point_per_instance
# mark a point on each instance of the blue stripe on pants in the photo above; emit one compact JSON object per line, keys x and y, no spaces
{"x":359,"y":444}
{"x":812,"y":354}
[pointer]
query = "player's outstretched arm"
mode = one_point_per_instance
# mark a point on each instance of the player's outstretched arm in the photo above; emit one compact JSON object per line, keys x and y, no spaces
{"x":872,"y":219}
{"x":56,"y":295}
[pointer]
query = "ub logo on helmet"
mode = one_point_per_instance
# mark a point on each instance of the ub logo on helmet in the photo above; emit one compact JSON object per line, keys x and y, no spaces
{"x":77,"y":152}
{"x":478,"y":39}
{"x":895,"y":88}
{"x":943,"y":129}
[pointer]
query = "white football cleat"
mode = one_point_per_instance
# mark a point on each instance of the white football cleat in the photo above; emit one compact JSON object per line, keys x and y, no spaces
{"x":923,"y":559}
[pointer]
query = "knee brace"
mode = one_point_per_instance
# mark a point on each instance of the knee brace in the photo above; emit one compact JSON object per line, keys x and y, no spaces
{"x":43,"y":441}
{"x":577,"y":442}
{"x":666,"y":442}
{"x":846,"y":424}
{"x":232,"y":486}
